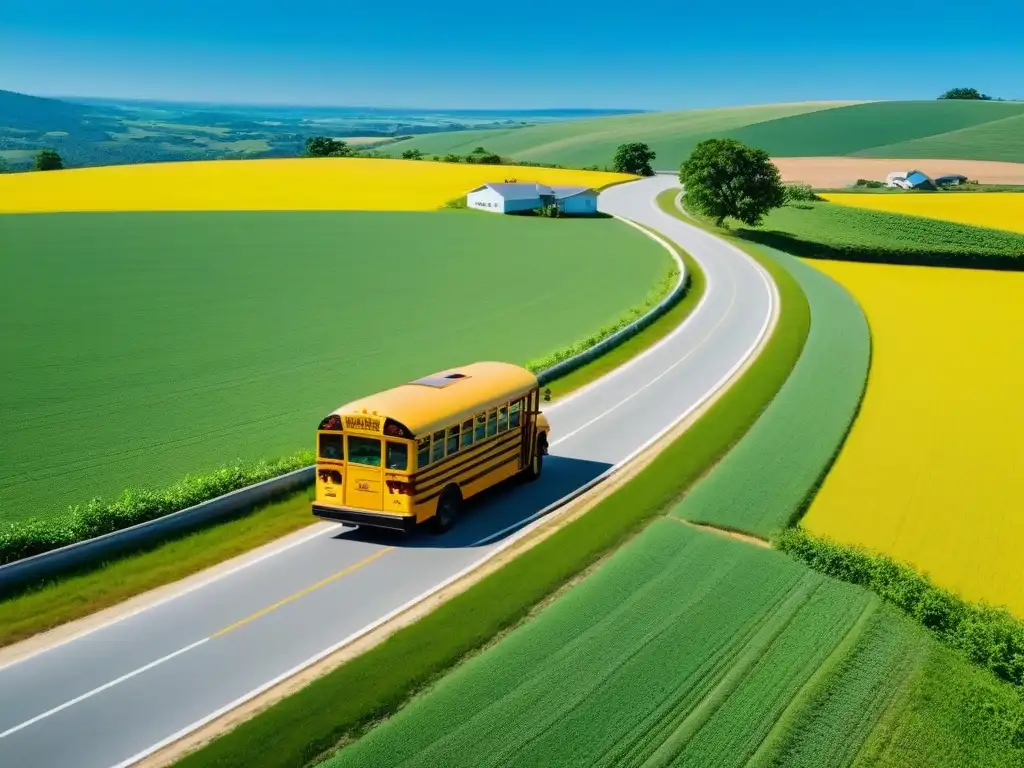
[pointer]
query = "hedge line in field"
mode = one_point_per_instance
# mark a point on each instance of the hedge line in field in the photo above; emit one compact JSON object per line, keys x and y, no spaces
{"x":25,"y":538}
{"x":764,"y":482}
{"x":990,"y":636}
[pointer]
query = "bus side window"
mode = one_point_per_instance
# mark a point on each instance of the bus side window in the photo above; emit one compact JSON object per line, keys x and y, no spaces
{"x":438,"y":453}
{"x":453,"y":439}
{"x":423,"y":452}
{"x":481,"y":426}
{"x":492,"y":422}
{"x":467,"y":433}
{"x":396,"y":456}
{"x":515,"y":413}
{"x":503,"y":419}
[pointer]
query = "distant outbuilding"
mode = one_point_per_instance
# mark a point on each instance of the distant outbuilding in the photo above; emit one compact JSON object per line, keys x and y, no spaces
{"x":521,"y":197}
{"x":951,"y":180}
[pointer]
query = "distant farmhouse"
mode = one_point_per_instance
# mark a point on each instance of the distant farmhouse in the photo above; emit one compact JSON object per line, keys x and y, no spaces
{"x":922,"y":181}
{"x":516,"y":197}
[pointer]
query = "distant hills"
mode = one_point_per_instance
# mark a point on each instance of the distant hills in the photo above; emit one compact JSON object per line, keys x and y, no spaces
{"x":968,"y":130}
{"x":104,"y":132}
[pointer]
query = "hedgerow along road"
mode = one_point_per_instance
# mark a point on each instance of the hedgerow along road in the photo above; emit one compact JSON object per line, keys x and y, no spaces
{"x":125,"y":689}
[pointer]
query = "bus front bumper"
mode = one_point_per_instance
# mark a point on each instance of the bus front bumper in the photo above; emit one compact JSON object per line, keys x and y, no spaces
{"x":363,"y":518}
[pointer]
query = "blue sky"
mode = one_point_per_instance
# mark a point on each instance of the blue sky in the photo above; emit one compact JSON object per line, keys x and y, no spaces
{"x":601,"y":54}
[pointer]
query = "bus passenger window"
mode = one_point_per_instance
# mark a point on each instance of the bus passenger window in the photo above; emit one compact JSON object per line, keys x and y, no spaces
{"x":467,"y":433}
{"x":438,"y":453}
{"x":453,"y":440}
{"x":492,"y":422}
{"x":481,"y":427}
{"x":503,"y":419}
{"x":330,"y":447}
{"x":423,"y":452}
{"x":396,"y":456}
{"x":515,"y":413}
{"x":364,"y":450}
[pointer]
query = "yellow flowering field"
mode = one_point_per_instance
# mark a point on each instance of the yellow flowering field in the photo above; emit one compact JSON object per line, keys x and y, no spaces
{"x":933,"y":471}
{"x":363,"y":184}
{"x":998,"y":210}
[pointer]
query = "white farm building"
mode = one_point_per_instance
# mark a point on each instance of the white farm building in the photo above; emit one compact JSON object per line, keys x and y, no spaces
{"x":521,"y":197}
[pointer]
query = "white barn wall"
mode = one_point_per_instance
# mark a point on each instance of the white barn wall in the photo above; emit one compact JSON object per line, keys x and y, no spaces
{"x":486,"y":200}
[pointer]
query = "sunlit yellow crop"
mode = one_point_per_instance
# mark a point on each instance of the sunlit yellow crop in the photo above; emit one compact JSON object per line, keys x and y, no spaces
{"x":280,"y":184}
{"x":998,"y":210}
{"x":933,"y":471}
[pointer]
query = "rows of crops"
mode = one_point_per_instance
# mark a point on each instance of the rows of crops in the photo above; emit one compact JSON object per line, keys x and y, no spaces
{"x":998,"y":210}
{"x":765,"y":480}
{"x":304,"y":184}
{"x":827,"y":230}
{"x":673,"y":652}
{"x":931,"y":473}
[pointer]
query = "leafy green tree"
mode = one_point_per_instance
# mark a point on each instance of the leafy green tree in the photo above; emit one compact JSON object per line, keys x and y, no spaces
{"x":724,"y":178}
{"x":324,"y":146}
{"x":451,"y":158}
{"x":49,"y":160}
{"x":634,"y":158}
{"x":971,"y":94}
{"x":412,"y":154}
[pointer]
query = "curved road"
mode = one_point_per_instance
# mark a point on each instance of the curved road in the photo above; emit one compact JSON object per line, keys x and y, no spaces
{"x":109,"y":697}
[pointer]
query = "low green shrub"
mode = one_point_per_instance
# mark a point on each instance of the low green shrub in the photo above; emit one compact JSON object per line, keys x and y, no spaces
{"x":33,"y":536}
{"x":799,"y":193}
{"x":990,"y":636}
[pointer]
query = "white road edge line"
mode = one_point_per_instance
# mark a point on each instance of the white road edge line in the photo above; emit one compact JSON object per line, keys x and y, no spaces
{"x":773,"y":299}
{"x":102,"y":688}
{"x":175,"y":595}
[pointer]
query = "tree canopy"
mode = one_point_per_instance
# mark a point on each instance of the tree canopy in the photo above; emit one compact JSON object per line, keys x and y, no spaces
{"x":49,"y":160}
{"x":724,"y":178}
{"x":965,"y":93}
{"x":634,"y":158}
{"x":324,"y":146}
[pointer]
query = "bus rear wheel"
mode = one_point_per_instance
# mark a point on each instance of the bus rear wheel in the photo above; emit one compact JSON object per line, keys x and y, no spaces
{"x":448,"y":508}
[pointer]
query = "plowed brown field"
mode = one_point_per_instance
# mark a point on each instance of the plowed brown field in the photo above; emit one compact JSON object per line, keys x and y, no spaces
{"x":834,"y":172}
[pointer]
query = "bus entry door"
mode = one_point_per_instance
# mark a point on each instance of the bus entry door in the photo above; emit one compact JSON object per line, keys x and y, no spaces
{"x":364,"y":486}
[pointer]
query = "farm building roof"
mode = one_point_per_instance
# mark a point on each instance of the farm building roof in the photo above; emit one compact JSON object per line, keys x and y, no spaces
{"x":518,"y":191}
{"x":563,"y":192}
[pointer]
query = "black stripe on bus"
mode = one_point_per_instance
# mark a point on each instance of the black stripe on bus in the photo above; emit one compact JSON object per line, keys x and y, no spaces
{"x":443,"y":480}
{"x":444,"y":466}
{"x":468,"y":480}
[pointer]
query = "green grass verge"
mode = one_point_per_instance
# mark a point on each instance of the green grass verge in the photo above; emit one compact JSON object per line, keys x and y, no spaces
{"x":765,"y":482}
{"x":212,"y":327}
{"x":40,"y":606}
{"x":830,"y":231}
{"x":340,"y":705}
{"x":81,"y":592}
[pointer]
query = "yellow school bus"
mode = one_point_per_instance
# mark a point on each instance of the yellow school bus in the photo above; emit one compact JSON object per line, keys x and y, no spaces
{"x":415,"y":453}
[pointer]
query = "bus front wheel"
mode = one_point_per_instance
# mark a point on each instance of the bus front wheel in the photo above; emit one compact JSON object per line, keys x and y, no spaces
{"x":536,"y":466}
{"x":448,"y":508}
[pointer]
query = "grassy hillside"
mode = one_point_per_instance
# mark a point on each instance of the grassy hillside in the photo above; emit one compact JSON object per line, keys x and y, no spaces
{"x":139,"y":347}
{"x":960,"y":129}
{"x":1001,"y":139}
{"x":593,"y":142}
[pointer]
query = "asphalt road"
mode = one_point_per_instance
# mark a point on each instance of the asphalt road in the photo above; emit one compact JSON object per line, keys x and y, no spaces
{"x":110,"y":697}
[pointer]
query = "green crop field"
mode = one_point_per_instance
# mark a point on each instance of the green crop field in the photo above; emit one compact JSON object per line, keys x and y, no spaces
{"x":980,"y":130}
{"x":587,"y":142}
{"x":764,"y":481}
{"x":140,"y":347}
{"x":685,"y":648}
{"x":829,"y":230}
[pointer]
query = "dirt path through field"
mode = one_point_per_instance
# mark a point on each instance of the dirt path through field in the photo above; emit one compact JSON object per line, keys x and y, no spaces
{"x":832,"y":172}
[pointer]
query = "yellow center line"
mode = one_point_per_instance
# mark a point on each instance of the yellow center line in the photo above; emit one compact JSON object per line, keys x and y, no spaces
{"x":333,"y":577}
